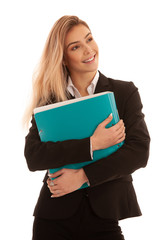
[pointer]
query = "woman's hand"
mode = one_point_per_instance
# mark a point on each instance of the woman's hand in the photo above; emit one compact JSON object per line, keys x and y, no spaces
{"x":106,"y":137}
{"x":67,"y":181}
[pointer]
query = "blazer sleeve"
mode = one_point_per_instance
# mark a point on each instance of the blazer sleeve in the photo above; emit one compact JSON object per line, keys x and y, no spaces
{"x":47,"y":155}
{"x":135,"y":151}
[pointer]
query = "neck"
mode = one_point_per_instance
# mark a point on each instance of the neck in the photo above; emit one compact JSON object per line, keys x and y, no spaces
{"x":83,"y":80}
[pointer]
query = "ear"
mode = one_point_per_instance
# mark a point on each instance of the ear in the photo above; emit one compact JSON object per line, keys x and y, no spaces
{"x":64,"y":62}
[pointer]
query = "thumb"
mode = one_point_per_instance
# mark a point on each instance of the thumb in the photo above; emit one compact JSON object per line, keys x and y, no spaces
{"x":107,"y":120}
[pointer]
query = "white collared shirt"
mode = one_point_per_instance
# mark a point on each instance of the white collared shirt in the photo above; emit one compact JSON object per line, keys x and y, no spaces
{"x":74,"y":91}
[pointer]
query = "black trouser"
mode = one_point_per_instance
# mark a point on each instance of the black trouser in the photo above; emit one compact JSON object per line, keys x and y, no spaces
{"x":84,"y":225}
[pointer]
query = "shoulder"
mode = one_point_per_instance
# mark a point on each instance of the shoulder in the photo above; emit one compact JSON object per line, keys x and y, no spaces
{"x":119,"y":87}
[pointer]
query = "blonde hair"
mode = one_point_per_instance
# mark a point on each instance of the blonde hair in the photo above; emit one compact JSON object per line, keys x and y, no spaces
{"x":50,"y":77}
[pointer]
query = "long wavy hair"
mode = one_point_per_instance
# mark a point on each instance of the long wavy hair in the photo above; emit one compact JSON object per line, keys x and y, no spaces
{"x":50,"y":77}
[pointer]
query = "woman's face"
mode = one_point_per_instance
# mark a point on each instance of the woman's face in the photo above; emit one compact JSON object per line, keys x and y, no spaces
{"x":81,"y":51}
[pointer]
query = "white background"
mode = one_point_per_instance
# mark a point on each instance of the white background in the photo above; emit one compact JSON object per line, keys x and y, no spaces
{"x":127,"y":33}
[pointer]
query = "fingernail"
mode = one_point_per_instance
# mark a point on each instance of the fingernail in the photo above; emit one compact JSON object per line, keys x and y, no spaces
{"x":110,"y":115}
{"x":52,"y":196}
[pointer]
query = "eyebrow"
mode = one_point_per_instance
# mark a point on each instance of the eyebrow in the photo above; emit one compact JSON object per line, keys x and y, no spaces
{"x":79,"y":41}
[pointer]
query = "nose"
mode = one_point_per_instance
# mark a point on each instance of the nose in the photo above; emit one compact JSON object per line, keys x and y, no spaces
{"x":88,"y":50}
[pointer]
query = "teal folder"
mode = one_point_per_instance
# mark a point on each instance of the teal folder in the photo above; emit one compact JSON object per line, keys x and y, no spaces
{"x":77,"y":119}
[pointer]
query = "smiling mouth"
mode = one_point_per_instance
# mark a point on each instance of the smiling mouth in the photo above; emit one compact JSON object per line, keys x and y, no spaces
{"x":89,"y":59}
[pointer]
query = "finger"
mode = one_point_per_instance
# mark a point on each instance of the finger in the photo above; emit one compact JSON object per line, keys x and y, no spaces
{"x":51,"y":183}
{"x":106,"y":121}
{"x":56,"y":196}
{"x":53,"y":189}
{"x":119,"y":125}
{"x":121,"y":139}
{"x":48,"y":182}
{"x":57,"y":193}
{"x":121,"y":130}
{"x":56,"y":174}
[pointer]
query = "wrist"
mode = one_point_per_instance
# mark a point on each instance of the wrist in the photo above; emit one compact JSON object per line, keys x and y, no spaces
{"x":92,"y":140}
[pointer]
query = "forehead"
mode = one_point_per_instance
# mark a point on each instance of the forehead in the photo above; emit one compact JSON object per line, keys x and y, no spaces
{"x":76,"y":33}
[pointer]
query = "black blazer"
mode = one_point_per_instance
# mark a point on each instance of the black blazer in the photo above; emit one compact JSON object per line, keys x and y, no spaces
{"x":111,"y":193}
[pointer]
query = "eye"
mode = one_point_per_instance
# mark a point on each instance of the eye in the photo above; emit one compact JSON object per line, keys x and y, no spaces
{"x":74,"y":48}
{"x":90,"y":39}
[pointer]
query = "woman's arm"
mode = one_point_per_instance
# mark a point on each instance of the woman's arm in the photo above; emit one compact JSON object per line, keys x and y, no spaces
{"x":135,"y":151}
{"x":46,"y":155}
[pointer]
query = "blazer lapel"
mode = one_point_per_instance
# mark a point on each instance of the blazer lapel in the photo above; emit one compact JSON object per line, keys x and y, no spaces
{"x":102,"y":84}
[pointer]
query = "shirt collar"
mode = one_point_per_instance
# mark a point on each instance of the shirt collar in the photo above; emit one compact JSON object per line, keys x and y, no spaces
{"x":91,"y":88}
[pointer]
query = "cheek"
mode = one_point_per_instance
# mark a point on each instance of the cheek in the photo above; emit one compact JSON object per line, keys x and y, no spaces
{"x":95,"y":46}
{"x":73,"y":59}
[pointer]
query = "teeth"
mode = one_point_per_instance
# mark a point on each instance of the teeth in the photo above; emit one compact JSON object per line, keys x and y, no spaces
{"x":89,"y":60}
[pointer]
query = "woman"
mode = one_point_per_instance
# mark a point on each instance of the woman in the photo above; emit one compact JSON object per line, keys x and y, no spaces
{"x":68,"y":69}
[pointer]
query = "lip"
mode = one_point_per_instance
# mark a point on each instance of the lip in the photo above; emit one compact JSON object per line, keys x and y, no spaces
{"x":90,"y":59}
